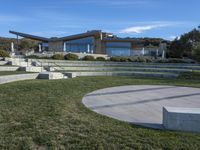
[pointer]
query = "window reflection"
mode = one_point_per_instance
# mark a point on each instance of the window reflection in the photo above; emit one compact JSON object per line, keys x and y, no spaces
{"x":84,"y":45}
{"x":118,"y":48}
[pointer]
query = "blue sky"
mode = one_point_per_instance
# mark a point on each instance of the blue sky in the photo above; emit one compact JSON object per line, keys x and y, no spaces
{"x":136,"y":18}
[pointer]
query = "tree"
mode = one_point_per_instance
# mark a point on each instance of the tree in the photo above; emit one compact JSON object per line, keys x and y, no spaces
{"x":185,"y":45}
{"x":27,"y":44}
{"x":196,"y":52}
{"x":176,"y":49}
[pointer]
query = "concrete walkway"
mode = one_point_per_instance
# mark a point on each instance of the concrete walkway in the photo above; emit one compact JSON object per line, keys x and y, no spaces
{"x":141,"y":104}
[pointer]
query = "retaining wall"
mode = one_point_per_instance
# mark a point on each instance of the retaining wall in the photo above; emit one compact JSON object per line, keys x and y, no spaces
{"x":182,"y":119}
{"x":19,"y":77}
{"x":8,"y":68}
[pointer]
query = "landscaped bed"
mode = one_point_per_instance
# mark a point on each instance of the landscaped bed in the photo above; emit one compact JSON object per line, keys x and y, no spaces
{"x":42,"y":114}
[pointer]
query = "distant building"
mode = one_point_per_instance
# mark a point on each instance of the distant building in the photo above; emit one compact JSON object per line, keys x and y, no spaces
{"x":96,"y":42}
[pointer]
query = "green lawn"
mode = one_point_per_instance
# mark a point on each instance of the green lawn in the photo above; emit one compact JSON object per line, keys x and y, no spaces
{"x":2,"y":73}
{"x":42,"y":114}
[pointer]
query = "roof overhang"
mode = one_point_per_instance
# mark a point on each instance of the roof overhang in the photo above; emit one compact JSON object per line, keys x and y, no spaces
{"x":33,"y":37}
{"x":96,"y":34}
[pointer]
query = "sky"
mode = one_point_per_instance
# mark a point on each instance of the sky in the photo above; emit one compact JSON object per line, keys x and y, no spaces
{"x":125,"y":18}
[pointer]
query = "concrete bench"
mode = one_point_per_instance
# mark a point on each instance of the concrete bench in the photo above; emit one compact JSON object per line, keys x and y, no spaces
{"x":181,"y":119}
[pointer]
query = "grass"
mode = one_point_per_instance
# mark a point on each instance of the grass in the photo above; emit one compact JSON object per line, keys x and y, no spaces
{"x":42,"y":114}
{"x":2,"y":73}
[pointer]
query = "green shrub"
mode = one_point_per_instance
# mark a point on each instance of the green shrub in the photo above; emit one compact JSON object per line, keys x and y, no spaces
{"x":116,"y":59}
{"x":58,"y":57}
{"x":161,"y":61}
{"x":100,"y":59}
{"x":44,"y":57}
{"x":141,"y":59}
{"x":89,"y":58}
{"x":71,"y":57}
{"x":196,"y":52}
{"x":124,"y":59}
{"x":4,"y":53}
{"x":33,"y":57}
{"x":120,"y":59}
{"x":37,"y":57}
{"x":175,"y":60}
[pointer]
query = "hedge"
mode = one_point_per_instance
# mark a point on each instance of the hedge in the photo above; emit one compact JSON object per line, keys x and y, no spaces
{"x":58,"y":57}
{"x":89,"y":58}
{"x":100,"y":59}
{"x":71,"y":57}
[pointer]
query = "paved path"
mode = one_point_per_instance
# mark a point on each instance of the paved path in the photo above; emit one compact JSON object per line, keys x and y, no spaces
{"x":141,"y":104}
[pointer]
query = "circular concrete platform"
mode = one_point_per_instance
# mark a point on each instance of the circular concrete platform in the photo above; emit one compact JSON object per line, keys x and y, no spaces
{"x":141,"y":104}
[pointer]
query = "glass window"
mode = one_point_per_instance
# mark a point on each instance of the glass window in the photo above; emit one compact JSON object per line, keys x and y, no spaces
{"x":80,"y":45}
{"x":45,"y":44}
{"x":118,"y":48}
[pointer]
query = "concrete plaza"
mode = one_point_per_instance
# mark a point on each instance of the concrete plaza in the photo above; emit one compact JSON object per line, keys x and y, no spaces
{"x":141,"y":104}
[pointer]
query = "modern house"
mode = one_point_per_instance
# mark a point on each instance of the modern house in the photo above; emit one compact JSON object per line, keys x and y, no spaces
{"x":96,"y":42}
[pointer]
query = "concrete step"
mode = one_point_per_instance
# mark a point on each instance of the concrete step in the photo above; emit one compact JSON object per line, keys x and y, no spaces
{"x":123,"y":73}
{"x":107,"y":63}
{"x":3,"y":63}
{"x":32,"y":69}
{"x":127,"y":65}
{"x":89,"y":69}
{"x":50,"y":61}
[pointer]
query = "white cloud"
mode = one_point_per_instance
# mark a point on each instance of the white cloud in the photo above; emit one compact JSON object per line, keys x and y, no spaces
{"x":148,"y":26}
{"x":173,"y":37}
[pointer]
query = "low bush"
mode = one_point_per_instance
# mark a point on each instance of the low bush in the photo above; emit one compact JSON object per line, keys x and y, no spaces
{"x":175,"y":60}
{"x":89,"y":58}
{"x":120,"y":59}
{"x":116,"y":59}
{"x":124,"y":59}
{"x":132,"y":59}
{"x":71,"y":56}
{"x":33,"y":57}
{"x":45,"y":57}
{"x":141,"y":59}
{"x":100,"y":59}
{"x":4,"y":53}
{"x":58,"y":57}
